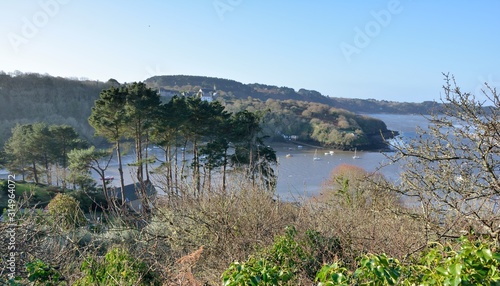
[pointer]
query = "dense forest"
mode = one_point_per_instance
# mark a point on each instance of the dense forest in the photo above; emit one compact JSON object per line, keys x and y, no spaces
{"x":29,"y":98}
{"x":317,"y":123}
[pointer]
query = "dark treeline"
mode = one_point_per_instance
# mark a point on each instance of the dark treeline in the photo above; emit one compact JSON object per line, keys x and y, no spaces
{"x":29,"y":97}
{"x":315,"y":122}
{"x":237,"y":90}
{"x":214,"y":137}
{"x":40,"y":152}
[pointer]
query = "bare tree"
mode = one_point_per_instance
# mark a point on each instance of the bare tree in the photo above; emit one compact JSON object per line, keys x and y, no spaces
{"x":452,"y":169}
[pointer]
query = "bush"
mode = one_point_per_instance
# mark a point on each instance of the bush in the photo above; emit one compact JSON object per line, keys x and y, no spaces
{"x":290,"y":259}
{"x":66,"y":212}
{"x":117,"y":268}
{"x":42,"y":273}
{"x":473,"y":263}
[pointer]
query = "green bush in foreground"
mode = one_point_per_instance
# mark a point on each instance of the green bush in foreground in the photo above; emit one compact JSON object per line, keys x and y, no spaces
{"x":468,"y":263}
{"x":65,"y":211}
{"x":41,"y":273}
{"x":119,"y":267}
{"x":473,"y":263}
{"x":288,"y":260}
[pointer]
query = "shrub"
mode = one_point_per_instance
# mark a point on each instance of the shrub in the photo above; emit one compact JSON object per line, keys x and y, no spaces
{"x":41,"y":273}
{"x":119,"y":267}
{"x":66,"y":212}
{"x":473,"y":263}
{"x":290,"y":259}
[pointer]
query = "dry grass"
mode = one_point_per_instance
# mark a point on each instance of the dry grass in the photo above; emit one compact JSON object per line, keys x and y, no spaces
{"x":192,"y":240}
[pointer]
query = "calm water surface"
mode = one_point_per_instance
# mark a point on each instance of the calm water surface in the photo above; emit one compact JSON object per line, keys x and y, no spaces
{"x":300,"y":175}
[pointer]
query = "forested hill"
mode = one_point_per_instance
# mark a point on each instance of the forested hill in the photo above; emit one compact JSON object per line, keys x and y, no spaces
{"x":237,"y":90}
{"x":27,"y":98}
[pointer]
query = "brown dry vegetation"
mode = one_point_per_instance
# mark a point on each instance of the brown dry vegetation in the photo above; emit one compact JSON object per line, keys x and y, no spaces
{"x":192,"y":240}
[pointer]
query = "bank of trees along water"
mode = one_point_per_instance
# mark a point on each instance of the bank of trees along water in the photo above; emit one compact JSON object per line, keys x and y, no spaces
{"x":135,"y":113}
{"x":204,"y":134}
{"x":318,"y":123}
{"x":40,"y":151}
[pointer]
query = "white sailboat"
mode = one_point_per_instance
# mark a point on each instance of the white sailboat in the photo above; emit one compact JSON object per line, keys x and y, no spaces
{"x":355,"y":154}
{"x":316,"y":158}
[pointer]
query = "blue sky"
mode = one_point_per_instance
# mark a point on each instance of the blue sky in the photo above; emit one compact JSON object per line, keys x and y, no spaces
{"x":382,"y":49}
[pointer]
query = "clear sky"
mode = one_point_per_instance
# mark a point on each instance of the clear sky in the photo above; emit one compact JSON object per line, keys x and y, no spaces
{"x":382,"y":49}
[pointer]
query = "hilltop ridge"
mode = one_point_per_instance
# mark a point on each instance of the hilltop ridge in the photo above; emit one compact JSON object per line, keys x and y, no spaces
{"x":233,"y":89}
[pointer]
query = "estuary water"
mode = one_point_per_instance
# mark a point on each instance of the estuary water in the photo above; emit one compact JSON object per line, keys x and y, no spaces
{"x":299,"y":175}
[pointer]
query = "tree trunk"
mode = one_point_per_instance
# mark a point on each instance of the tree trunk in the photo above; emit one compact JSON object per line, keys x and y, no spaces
{"x":146,"y":165}
{"x":120,"y":171}
{"x":47,"y":170}
{"x":35,"y":173}
{"x":138,"y":151}
{"x":224,"y":166}
{"x":196,"y":169}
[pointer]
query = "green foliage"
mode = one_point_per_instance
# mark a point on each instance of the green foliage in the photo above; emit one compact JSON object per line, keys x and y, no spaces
{"x":256,"y":272}
{"x":41,"y":273}
{"x":119,"y":267}
{"x":474,"y":263}
{"x":332,"y":274}
{"x":65,"y":211}
{"x":36,"y":147}
{"x":38,"y":193}
{"x":290,"y":258}
{"x":90,"y":200}
{"x":377,"y":270}
{"x":315,"y":121}
{"x":275,"y":266}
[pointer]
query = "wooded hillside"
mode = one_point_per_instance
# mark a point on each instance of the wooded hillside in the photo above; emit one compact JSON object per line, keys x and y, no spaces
{"x":28,"y":98}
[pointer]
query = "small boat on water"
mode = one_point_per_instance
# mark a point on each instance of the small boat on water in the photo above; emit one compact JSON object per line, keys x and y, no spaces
{"x":316,"y":158}
{"x":355,"y":154}
{"x":289,"y":155}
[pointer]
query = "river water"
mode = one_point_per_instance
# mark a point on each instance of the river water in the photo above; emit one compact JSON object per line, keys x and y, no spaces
{"x":300,"y":175}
